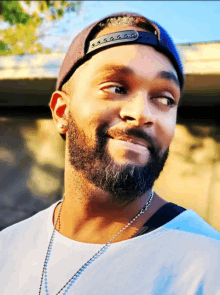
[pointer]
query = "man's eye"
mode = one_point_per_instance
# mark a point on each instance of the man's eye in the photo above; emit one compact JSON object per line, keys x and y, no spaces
{"x":166,"y":101}
{"x":117,"y":89}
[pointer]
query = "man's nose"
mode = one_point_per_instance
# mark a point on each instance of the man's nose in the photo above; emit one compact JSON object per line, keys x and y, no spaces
{"x":138,"y":110}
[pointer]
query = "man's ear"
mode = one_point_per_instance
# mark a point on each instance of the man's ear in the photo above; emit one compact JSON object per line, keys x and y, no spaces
{"x":58,"y":106}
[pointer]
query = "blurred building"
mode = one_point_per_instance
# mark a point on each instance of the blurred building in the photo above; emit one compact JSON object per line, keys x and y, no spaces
{"x":32,"y":152}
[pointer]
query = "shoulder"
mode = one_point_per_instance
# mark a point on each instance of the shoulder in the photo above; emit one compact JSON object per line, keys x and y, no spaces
{"x":190,"y":222}
{"x":190,"y":233}
{"x":27,"y":229}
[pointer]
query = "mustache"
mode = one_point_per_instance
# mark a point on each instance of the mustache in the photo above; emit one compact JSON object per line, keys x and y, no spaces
{"x":140,"y":134}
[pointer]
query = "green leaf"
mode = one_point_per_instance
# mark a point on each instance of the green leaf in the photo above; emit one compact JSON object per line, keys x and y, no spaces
{"x":3,"y":46}
{"x":12,"y":12}
{"x":24,"y":34}
{"x":60,"y":12}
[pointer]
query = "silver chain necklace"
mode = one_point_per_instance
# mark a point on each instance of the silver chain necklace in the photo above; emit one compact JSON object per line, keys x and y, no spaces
{"x":70,"y":282}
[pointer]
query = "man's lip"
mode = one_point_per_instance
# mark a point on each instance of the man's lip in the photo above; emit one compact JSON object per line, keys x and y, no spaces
{"x":132,"y":139}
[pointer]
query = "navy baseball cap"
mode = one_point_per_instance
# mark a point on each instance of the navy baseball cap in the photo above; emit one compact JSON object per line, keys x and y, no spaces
{"x":84,"y":46}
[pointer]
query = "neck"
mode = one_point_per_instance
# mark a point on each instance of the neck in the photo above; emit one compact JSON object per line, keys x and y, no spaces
{"x":90,"y":215}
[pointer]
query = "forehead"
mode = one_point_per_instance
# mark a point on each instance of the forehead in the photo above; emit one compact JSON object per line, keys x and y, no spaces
{"x":133,"y":60}
{"x":137,"y":56}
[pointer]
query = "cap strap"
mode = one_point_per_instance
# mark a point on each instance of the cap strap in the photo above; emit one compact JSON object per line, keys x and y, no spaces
{"x":137,"y":37}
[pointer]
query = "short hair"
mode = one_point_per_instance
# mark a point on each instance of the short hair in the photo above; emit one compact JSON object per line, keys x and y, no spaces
{"x":123,"y":21}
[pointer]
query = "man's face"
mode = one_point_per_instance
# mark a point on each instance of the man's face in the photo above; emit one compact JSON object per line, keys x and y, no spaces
{"x":122,"y":117}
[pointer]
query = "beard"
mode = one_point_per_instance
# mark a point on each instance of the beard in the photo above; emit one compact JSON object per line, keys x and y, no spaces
{"x":124,"y":183}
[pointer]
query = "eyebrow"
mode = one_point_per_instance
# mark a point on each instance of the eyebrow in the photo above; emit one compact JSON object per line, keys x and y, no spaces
{"x":117,"y":68}
{"x":167,"y":75}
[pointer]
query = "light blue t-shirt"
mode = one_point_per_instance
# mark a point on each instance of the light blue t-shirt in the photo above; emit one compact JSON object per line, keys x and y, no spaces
{"x":180,"y":258}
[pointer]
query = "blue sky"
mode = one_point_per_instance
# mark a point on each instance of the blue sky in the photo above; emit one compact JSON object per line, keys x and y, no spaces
{"x":186,"y":21}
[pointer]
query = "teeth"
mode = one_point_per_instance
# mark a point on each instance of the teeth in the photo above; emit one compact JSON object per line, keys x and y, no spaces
{"x":132,"y":141}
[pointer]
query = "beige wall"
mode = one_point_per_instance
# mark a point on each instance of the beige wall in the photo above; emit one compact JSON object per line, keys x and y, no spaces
{"x":32,"y":162}
{"x":191,"y":177}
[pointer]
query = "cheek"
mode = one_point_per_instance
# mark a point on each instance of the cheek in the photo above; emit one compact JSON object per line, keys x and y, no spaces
{"x":90,"y":114}
{"x":93,"y":111}
{"x":87,"y":105}
{"x":165,"y":130}
{"x":80,"y":108}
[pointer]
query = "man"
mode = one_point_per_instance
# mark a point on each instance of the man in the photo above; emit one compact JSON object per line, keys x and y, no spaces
{"x":115,"y":104}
